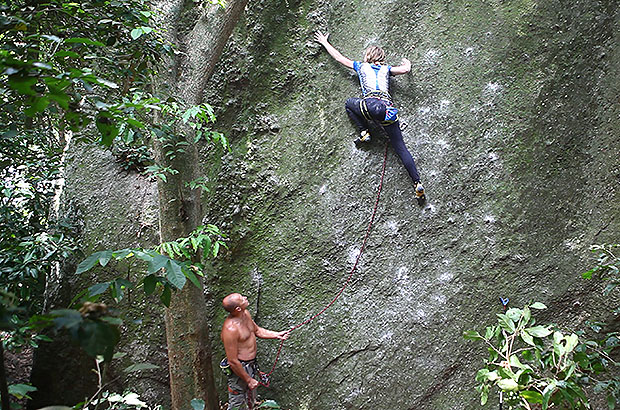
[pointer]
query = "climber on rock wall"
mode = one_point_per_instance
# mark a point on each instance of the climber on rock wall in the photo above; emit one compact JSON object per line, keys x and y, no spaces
{"x":376,"y":104}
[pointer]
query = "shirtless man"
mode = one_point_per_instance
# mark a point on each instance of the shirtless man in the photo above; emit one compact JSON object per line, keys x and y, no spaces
{"x":239,"y":334}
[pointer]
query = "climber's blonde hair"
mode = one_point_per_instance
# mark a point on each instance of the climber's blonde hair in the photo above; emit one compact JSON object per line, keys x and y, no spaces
{"x":374,"y":54}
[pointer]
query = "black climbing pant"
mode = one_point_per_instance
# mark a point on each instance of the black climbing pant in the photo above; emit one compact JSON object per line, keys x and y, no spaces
{"x":376,"y":109}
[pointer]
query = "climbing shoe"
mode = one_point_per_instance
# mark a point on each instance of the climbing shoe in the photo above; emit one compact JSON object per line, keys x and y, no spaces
{"x":364,"y":137}
{"x":419,"y":193}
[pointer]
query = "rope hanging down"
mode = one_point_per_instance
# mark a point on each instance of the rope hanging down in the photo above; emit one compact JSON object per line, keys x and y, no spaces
{"x":265,"y":376}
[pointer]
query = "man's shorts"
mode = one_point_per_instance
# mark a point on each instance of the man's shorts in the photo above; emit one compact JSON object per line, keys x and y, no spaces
{"x":238,"y":392}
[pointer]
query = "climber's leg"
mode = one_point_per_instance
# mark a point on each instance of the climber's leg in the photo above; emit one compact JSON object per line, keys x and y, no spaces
{"x":396,"y":139}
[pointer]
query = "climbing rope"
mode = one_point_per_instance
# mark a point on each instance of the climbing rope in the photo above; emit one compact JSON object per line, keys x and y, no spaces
{"x":265,"y":376}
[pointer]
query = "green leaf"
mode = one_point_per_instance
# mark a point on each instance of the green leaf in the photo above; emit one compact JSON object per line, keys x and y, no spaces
{"x":66,"y":318}
{"x":538,"y":331}
{"x":37,"y":104}
{"x":63,"y":53}
{"x":484,"y":394}
{"x":21,"y":390}
{"x":514,"y":314}
{"x":538,"y":306}
{"x":107,"y":128}
{"x":166,"y":295}
{"x":102,"y":257}
{"x":489,"y":332}
{"x":547,"y":393}
{"x":472,"y":335}
{"x":158,"y":262}
{"x":611,"y":401}
{"x":486,"y":375}
{"x":136,"y":33}
{"x":122,"y":254}
{"x":571,"y":342}
{"x":189,"y":274}
{"x":527,"y":338}
{"x":105,"y":257}
{"x":527,"y":315}
{"x":22,"y":84}
{"x":269,"y":404}
{"x":107,"y":83}
{"x":197,"y":404}
{"x":61,"y":98}
{"x":150,"y":282}
{"x":98,"y":338}
{"x":140,"y":366}
{"x":532,"y":396}
{"x":588,"y":274}
{"x":508,"y":385}
{"x":98,"y":288}
{"x":481,"y":375}
{"x":135,"y":123}
{"x":174,"y":274}
{"x":506,"y":323}
{"x":117,"y":321}
{"x":83,"y":40}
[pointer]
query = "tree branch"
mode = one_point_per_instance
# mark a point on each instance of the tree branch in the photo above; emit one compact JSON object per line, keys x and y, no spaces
{"x":204,"y":47}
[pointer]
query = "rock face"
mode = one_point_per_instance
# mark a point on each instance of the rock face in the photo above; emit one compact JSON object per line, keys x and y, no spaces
{"x":512,"y":114}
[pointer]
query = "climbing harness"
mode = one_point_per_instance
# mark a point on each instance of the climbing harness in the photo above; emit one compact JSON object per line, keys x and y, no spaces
{"x":266,"y":376}
{"x":391,"y":112}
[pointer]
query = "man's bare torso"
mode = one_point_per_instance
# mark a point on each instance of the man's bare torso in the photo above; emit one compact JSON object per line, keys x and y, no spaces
{"x":246,"y":328}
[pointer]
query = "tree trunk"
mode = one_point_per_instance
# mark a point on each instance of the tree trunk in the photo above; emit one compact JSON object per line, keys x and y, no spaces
{"x":4,"y":390}
{"x":189,"y":354}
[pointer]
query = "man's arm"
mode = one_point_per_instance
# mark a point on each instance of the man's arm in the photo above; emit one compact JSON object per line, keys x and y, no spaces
{"x":230,"y":338}
{"x":267,"y":334}
{"x":403,"y":68}
{"x":322,"y":39}
{"x":270,"y":334}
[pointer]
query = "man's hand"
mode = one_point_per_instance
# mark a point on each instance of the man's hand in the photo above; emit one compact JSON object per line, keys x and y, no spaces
{"x":321,"y":38}
{"x":252,"y":384}
{"x":405,"y":61}
{"x":283,"y":335}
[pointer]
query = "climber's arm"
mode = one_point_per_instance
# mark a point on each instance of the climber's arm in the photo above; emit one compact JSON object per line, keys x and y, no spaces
{"x":403,"y":68}
{"x":322,"y":39}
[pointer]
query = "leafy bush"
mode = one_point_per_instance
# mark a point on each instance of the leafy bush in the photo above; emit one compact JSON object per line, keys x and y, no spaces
{"x":532,"y":364}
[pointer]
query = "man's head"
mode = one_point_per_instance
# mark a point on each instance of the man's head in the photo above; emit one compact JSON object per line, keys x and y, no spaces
{"x":374,"y":54}
{"x":235,"y":302}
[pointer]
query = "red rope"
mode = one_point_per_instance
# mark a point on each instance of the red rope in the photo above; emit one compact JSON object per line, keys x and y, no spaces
{"x":346,"y":283}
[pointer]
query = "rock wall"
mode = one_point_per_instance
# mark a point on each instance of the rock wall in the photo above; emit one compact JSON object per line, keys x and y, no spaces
{"x":511,"y":112}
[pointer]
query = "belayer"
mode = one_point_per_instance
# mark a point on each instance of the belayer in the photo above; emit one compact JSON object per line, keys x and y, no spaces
{"x":376,"y":104}
{"x":239,"y":333}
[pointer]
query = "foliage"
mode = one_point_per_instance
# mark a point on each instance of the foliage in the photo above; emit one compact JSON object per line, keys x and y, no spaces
{"x":540,"y":365}
{"x":269,"y":404}
{"x":607,"y":267}
{"x":115,"y":401}
{"x":205,"y":241}
{"x":63,"y":66}
{"x":21,"y":391}
{"x":81,"y":71}
{"x":530,"y":363}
